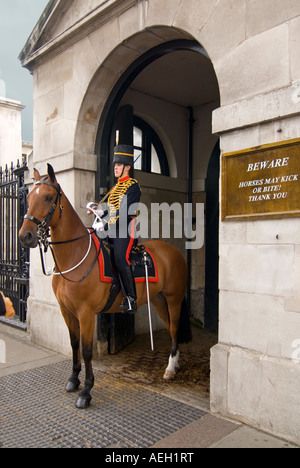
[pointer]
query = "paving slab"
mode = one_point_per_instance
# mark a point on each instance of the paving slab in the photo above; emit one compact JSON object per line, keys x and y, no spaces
{"x":19,"y":354}
{"x":199,"y":434}
{"x":248,"y":437}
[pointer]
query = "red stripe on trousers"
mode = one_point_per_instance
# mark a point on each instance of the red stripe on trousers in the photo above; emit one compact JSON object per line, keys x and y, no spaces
{"x":131,"y":241}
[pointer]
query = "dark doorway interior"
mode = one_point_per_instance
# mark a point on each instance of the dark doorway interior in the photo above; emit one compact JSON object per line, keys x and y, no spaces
{"x":211,"y":316}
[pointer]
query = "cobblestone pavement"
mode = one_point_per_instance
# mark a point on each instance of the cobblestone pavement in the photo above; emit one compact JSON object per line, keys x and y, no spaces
{"x":138,"y":364}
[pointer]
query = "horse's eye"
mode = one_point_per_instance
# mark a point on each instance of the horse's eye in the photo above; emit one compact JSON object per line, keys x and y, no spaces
{"x":48,"y":199}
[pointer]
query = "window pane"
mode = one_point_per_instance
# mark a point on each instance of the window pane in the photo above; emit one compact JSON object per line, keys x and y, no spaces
{"x":155,"y":164}
{"x":138,"y":158}
{"x":137,"y":137}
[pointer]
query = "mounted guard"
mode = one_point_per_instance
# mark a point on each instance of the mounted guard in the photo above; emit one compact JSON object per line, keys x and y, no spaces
{"x":119,"y":225}
{"x":80,"y":290}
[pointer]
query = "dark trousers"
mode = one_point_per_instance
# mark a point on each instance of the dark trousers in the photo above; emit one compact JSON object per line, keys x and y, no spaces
{"x":122,"y":248}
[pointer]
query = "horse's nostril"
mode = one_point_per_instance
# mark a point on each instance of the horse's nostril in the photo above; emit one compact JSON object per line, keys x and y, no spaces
{"x":27,"y":239}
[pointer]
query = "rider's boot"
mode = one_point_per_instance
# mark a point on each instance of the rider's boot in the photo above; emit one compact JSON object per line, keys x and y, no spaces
{"x":129,"y":291}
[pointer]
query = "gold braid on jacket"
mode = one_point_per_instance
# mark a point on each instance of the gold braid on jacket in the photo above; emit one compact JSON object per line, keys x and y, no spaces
{"x":115,"y":199}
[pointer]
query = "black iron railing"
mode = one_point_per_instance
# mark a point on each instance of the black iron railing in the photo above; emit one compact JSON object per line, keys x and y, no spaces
{"x":14,"y":259}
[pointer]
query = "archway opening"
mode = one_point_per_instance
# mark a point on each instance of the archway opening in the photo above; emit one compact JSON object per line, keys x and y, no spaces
{"x":157,"y":94}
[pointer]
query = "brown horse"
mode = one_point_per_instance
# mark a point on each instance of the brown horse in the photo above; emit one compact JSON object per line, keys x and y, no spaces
{"x":78,"y":289}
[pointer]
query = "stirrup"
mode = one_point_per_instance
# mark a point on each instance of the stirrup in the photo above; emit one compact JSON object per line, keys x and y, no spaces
{"x":128,"y":306}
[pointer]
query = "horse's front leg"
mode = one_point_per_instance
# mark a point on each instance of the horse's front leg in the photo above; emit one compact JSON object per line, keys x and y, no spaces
{"x":87,"y":335}
{"x":74,"y":331}
{"x":74,"y":382}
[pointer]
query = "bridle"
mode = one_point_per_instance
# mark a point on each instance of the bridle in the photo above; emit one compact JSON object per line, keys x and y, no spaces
{"x":43,"y":235}
{"x":43,"y":226}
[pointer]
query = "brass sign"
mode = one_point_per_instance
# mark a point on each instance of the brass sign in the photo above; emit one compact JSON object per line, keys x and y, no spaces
{"x":262,"y":182}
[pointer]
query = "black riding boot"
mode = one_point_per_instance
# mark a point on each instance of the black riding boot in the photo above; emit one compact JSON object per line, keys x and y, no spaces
{"x":113,"y":293}
{"x":116,"y":286}
{"x":129,"y":290}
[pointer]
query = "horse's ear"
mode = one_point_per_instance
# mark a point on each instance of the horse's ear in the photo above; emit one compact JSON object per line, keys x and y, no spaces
{"x":51,"y":173}
{"x":36,"y":175}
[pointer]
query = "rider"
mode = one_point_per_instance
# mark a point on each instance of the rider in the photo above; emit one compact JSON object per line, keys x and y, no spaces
{"x":120,"y":223}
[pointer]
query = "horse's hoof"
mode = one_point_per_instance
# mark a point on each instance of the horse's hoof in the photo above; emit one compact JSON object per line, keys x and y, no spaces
{"x":169,"y":376}
{"x":83,"y":403}
{"x":72,"y":386}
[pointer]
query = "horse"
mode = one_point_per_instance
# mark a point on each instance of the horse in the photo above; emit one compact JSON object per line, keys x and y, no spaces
{"x":77,"y":286}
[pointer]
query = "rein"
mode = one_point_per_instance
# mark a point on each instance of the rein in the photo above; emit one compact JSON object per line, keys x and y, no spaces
{"x":43,"y":234}
{"x":62,"y":273}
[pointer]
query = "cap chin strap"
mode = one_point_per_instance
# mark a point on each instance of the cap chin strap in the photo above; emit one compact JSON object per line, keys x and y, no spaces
{"x":122,"y":171}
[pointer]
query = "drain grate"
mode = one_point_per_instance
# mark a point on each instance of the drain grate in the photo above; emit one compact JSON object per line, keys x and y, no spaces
{"x":36,"y":412}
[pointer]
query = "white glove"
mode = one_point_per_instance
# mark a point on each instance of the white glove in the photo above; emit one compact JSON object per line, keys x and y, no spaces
{"x":97,"y":211}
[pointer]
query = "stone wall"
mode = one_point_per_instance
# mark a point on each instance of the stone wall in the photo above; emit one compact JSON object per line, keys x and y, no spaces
{"x":254,"y":377}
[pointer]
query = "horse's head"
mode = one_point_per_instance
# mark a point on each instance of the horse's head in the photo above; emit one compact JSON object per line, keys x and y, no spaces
{"x":43,"y":208}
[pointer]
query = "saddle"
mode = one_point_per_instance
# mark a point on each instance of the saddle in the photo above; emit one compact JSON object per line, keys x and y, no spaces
{"x":136,"y":259}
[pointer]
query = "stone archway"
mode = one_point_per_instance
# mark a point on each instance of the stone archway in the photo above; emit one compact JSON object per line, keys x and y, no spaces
{"x":97,"y":99}
{"x":111,"y":83}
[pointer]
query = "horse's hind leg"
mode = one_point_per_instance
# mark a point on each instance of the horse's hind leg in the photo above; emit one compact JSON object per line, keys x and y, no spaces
{"x":74,"y":331}
{"x":87,"y":326}
{"x":169,"y":312}
{"x":161,"y":308}
{"x":174,"y":308}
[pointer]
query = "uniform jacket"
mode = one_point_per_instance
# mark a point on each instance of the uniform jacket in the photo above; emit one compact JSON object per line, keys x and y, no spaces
{"x":125,"y":193}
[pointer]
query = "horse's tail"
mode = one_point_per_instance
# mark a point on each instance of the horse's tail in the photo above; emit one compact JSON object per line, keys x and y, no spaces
{"x":184,"y":334}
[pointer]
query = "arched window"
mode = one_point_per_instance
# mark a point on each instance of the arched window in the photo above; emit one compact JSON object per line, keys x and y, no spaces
{"x":149,"y":152}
